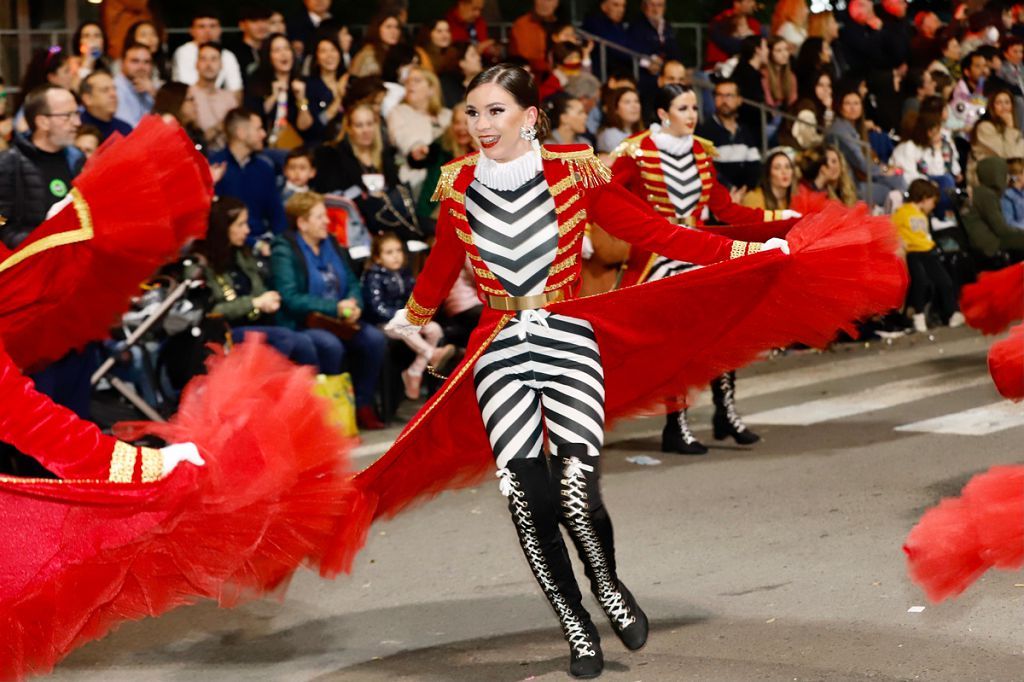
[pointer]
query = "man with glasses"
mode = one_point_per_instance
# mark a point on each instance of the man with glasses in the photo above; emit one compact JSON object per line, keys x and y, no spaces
{"x":36,"y":173}
{"x":739,"y":157}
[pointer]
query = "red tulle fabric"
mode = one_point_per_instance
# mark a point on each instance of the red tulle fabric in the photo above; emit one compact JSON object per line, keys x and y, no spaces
{"x":147,"y":194}
{"x":1006,"y":364}
{"x":956,"y":542}
{"x":664,"y":338}
{"x":81,"y":557}
{"x":995,"y":301}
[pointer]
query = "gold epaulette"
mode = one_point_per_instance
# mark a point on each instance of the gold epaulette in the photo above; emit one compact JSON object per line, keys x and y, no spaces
{"x":449,"y":172}
{"x":708,"y":145}
{"x":584,"y":168}
{"x":630,"y":146}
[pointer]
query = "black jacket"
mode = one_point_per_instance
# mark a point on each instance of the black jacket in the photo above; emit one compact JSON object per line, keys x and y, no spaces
{"x":337,"y":168}
{"x":385,"y":292}
{"x":25,"y":194}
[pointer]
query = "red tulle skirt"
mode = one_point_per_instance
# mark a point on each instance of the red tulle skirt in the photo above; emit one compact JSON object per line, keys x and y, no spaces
{"x":139,"y":199}
{"x":80,"y":557}
{"x":996,"y":300}
{"x":659,"y":339}
{"x":956,"y":542}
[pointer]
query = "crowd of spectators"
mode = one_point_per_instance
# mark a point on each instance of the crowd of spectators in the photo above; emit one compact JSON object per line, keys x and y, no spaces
{"x":325,"y":140}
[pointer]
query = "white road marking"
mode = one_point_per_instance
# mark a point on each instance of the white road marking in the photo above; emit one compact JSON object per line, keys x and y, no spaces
{"x":979,"y":421}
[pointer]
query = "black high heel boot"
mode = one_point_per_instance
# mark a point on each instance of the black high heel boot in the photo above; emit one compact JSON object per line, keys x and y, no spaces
{"x":727,"y":421}
{"x":584,"y":515}
{"x":677,"y":438}
{"x":527,"y":485}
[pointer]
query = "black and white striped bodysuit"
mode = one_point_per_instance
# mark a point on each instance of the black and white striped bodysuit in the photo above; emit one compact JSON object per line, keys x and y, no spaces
{"x":684,"y":188}
{"x":542,"y":370}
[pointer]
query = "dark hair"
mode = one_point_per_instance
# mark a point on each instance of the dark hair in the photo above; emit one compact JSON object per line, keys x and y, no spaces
{"x":989,"y":114}
{"x":932,"y":104}
{"x":45,"y":63}
{"x":946,"y":36}
{"x":556,"y":106}
{"x":722,"y":81}
{"x":170,"y":98}
{"x":965,"y":63}
{"x":212,"y":44}
{"x":765,"y":184}
{"x":205,"y":12}
{"x":923,"y":124}
{"x":85,"y":88}
{"x":561,"y":51}
{"x":748,"y":47}
{"x":611,"y":102}
{"x":262,"y":81}
{"x":235,"y":118}
{"x":362,"y":88}
{"x":76,"y":39}
{"x":667,"y":94}
{"x":217,"y":246}
{"x":808,"y":59}
{"x":921,"y":190}
{"x":37,"y":104}
{"x":847,"y":88}
{"x":300,"y":153}
{"x":129,"y":35}
{"x":518,"y":82}
{"x":942,"y":79}
{"x":89,"y":130}
{"x":315,"y":69}
{"x":128,"y":47}
{"x":253,"y":13}
{"x":378,"y":243}
{"x":1011,"y":41}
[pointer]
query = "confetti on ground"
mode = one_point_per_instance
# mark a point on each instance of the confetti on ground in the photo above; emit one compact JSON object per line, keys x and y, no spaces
{"x":915,"y":609}
{"x":644,"y":460}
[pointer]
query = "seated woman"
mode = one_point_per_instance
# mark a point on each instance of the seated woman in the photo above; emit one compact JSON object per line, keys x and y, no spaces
{"x":317,"y":283}
{"x":568,"y":120}
{"x":823,"y":170}
{"x":929,"y":155}
{"x":325,"y":87}
{"x":778,"y":184}
{"x":236,"y":286}
{"x":416,"y":123}
{"x":623,"y":117}
{"x":849,"y":133}
{"x":813,"y":112}
{"x":996,"y":133}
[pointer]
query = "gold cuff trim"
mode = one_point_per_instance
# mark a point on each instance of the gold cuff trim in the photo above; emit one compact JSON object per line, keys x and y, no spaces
{"x":122,"y":463}
{"x":510,"y":303}
{"x":739,"y":249}
{"x":754,"y":247}
{"x":418,"y":314}
{"x":152,"y":465}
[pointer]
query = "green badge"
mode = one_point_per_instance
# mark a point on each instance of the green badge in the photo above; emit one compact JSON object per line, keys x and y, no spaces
{"x":58,"y":188}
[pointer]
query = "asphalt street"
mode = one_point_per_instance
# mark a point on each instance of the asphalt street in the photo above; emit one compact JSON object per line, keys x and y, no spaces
{"x":777,"y":562}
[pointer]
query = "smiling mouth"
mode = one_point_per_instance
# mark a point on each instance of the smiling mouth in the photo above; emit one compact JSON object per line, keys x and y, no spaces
{"x":488,"y":141}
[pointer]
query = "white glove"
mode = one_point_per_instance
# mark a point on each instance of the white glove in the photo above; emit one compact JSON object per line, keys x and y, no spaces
{"x":788,"y":213}
{"x":588,"y":248}
{"x":776,"y":243}
{"x":173,"y":455}
{"x":400,"y":324}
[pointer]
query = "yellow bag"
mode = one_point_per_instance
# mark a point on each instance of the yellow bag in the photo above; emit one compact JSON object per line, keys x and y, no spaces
{"x":337,"y":388}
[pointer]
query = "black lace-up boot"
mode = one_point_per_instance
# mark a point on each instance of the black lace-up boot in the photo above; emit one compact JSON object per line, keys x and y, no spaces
{"x":727,"y":420}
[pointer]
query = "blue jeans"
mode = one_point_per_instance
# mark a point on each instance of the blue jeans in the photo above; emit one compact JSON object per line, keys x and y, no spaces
{"x":368,"y":346}
{"x":288,"y":342}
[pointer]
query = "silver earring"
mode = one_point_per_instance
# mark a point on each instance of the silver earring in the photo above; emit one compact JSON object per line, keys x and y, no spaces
{"x":665,"y":123}
{"x":528,"y":133}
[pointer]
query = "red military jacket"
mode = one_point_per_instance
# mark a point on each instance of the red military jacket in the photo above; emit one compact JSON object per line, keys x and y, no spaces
{"x":579,"y":184}
{"x":637,"y":166}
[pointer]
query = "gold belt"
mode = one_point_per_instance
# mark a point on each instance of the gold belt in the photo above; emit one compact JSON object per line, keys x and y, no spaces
{"x":525,"y":302}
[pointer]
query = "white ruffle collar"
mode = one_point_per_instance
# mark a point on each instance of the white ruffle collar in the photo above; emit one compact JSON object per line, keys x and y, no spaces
{"x":510,"y":174}
{"x":666,"y":142}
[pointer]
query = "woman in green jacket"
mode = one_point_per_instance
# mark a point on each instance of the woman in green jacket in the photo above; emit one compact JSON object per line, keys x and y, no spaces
{"x":238,"y":291}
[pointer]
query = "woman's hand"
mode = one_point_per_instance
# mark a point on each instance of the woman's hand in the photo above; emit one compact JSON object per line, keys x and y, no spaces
{"x":173,"y":455}
{"x":400,"y":324}
{"x":348,"y":309}
{"x":299,"y":89}
{"x":268,"y":302}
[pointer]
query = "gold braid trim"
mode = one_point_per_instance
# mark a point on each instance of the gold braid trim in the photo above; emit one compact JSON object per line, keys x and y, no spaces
{"x":152,"y":464}
{"x":487,"y":290}
{"x":449,"y":173}
{"x":568,"y":203}
{"x":567,"y":263}
{"x":565,"y":227}
{"x":754,"y":247}
{"x":630,"y":146}
{"x":417,"y":314}
{"x":739,"y":249}
{"x":572,"y":242}
{"x":708,"y":145}
{"x":484,"y":274}
{"x":561,"y":283}
{"x":122,"y":462}
{"x":585,"y":168}
{"x":458,"y":215}
{"x":464,"y":236}
{"x":562,"y":185}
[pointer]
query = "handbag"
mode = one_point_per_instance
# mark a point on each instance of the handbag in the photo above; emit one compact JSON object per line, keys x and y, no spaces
{"x":337,"y":389}
{"x":392,"y":210}
{"x":341,"y":327}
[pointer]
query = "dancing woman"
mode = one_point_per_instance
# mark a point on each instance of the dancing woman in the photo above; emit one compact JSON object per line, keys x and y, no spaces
{"x":671,"y":169}
{"x":519,"y":210}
